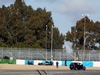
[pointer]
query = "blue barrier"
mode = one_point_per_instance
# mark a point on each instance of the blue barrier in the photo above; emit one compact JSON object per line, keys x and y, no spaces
{"x":68,"y":63}
{"x":63,"y":63}
{"x":29,"y":62}
{"x":85,"y":63}
{"x":88,"y":63}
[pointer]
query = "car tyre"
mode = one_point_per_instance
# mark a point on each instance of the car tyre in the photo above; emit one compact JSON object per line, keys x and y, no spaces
{"x":84,"y":68}
{"x":71,"y":68}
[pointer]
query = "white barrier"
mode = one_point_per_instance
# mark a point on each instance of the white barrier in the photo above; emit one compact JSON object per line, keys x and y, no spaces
{"x":96,"y":64}
{"x":20,"y":62}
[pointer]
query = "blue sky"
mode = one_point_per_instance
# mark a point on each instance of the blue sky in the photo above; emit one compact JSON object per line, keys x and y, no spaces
{"x":65,"y":13}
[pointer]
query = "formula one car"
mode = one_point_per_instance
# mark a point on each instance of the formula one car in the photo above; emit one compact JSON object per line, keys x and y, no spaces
{"x":77,"y":66}
{"x":46,"y":63}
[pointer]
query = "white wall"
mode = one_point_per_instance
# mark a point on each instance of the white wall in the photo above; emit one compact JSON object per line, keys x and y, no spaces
{"x":20,"y":62}
{"x":96,"y":64}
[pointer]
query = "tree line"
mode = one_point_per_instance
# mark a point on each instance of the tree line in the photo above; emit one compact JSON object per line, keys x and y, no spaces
{"x":22,"y":26}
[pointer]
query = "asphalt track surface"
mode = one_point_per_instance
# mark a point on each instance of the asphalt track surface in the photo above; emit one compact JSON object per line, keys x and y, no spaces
{"x":49,"y":72}
{"x":6,"y":69}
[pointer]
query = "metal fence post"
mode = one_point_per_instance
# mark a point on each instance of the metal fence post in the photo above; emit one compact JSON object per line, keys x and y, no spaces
{"x":99,"y":55}
{"x":2,"y":52}
{"x":19,"y":54}
{"x":89,"y":56}
{"x":60,"y":55}
{"x":83,"y":55}
{"x":37,"y":54}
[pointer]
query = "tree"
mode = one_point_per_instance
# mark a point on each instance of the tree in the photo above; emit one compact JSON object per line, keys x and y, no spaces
{"x":22,"y":26}
{"x":92,"y":34}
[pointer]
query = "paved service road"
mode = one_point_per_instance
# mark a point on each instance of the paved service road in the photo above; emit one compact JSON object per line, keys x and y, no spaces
{"x":49,"y":72}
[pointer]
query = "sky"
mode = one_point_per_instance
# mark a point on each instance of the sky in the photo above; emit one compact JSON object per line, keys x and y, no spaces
{"x":65,"y":13}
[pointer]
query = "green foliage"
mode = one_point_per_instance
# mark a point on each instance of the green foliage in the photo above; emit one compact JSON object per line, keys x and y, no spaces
{"x":92,"y":34}
{"x":3,"y":44}
{"x":22,"y":26}
{"x":36,"y":45}
{"x":20,"y":45}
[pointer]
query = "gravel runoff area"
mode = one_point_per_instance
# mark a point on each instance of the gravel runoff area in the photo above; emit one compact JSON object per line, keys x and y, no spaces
{"x":36,"y":67}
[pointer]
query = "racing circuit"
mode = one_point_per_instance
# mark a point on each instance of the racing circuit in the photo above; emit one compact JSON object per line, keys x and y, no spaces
{"x":8,"y":69}
{"x":21,"y":67}
{"x":49,"y":72}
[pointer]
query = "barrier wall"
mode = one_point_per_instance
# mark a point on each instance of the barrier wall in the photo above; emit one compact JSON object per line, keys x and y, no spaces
{"x":88,"y":63}
{"x":20,"y":62}
{"x":7,"y":61}
{"x":85,"y":63}
{"x":35,"y":62}
{"x":96,"y":64}
{"x":29,"y":62}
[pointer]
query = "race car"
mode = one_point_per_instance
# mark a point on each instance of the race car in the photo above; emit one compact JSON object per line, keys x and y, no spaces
{"x":46,"y":63}
{"x":77,"y":66}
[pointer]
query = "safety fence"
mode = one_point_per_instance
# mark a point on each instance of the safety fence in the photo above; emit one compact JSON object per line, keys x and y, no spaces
{"x":35,"y":54}
{"x":45,"y":54}
{"x":86,"y":55}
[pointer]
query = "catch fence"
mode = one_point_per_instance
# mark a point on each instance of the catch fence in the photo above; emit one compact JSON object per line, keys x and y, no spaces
{"x":35,"y":54}
{"x":43,"y":54}
{"x":87,"y":55}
